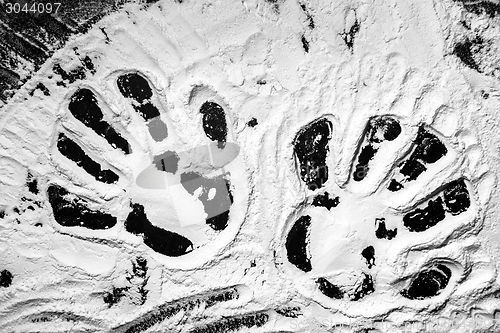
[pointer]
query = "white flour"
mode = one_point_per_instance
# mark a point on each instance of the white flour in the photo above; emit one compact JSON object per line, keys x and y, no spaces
{"x":262,"y":60}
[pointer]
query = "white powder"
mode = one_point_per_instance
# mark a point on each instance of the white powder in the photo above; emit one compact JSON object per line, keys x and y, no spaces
{"x":262,"y":60}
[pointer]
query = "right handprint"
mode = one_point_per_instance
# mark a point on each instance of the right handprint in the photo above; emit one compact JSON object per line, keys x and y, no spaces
{"x":379,"y":235}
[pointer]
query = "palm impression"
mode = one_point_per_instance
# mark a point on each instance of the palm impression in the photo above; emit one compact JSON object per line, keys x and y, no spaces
{"x":344,"y":240}
{"x":197,"y":175}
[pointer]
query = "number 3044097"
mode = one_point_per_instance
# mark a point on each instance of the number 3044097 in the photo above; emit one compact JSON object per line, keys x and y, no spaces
{"x":35,"y":8}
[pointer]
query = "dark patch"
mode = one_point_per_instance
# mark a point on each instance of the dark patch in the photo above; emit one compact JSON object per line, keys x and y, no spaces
{"x":9,"y":81}
{"x":382,"y":231}
{"x":137,"y":279}
{"x":135,"y":86}
{"x":167,"y":161}
{"x":105,"y":35}
{"x":412,"y":169}
{"x":140,"y":267}
{"x":456,"y":197}
{"x":378,"y":130}
{"x":349,"y":36}
{"x":364,"y":289}
{"x":168,"y":310}
{"x":114,"y":296}
{"x":382,"y":128}
{"x":328,"y":289}
{"x":305,"y":43}
{"x":76,"y":74}
{"x":369,"y":255}
{"x":428,"y":283}
{"x":160,"y":240}
{"x":311,"y":149}
{"x":2,"y":214}
{"x":324,"y":200}
{"x":296,"y":244}
{"x":70,"y":212}
{"x":252,"y":122}
{"x":394,"y":186}
{"x":140,"y":270}
{"x":308,"y":15}
{"x":217,"y":209}
{"x":72,"y":151}
{"x":481,"y":7}
{"x":23,"y":46}
{"x":261,"y":82}
{"x":289,"y":312}
{"x":32,"y":184}
{"x":232,"y":324}
{"x":27,"y":40}
{"x":224,"y":296}
{"x":428,"y":150}
{"x":6,"y":278}
{"x":42,"y":88}
{"x":465,"y":51}
{"x":84,"y":107}
{"x":422,"y":219}
{"x":214,"y":122}
{"x":87,"y":62}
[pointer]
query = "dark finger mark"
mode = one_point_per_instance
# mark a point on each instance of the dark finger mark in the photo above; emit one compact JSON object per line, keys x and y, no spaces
{"x":297,"y":242}
{"x":72,"y":212}
{"x":136,"y":87}
{"x":160,"y":240}
{"x":428,"y":150}
{"x":72,"y":151}
{"x":84,"y":107}
{"x":378,"y":130}
{"x":422,"y":219}
{"x":311,"y":149}
{"x":428,"y":283}
{"x":453,"y":199}
{"x":456,"y":197}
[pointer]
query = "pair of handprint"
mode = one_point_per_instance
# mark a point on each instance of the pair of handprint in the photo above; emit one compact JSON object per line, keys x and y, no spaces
{"x":313,"y":243}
